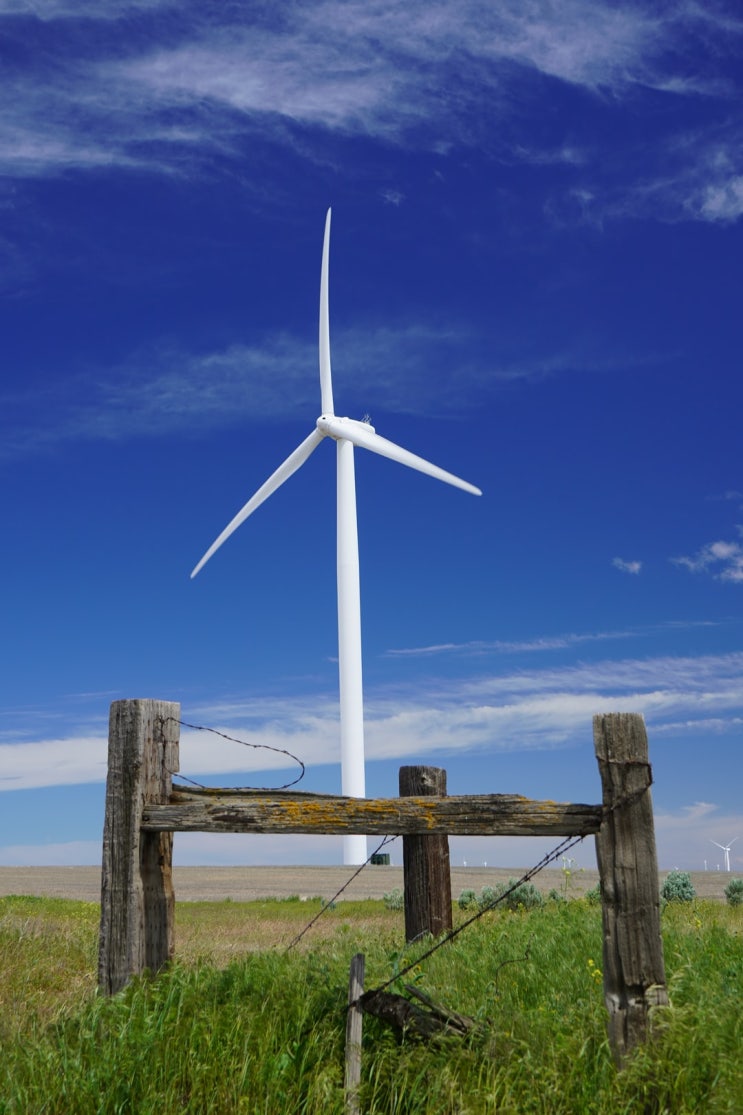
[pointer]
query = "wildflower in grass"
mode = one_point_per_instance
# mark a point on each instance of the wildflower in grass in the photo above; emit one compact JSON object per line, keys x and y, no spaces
{"x":594,"y":972}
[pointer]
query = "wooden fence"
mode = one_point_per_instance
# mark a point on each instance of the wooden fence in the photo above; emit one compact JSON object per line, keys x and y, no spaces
{"x":143,"y":811}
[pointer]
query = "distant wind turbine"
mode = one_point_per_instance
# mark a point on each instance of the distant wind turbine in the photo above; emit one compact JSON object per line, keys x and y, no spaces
{"x":726,"y":849}
{"x":346,"y":432}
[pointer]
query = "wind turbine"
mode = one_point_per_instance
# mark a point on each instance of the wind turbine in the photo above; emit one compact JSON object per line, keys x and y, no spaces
{"x":726,"y":849}
{"x":347,"y":433}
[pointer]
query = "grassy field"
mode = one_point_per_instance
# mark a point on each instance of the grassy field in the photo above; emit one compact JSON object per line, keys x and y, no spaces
{"x":240,"y":1025}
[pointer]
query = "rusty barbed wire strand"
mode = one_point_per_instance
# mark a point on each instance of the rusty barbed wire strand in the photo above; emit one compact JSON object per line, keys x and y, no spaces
{"x":243,"y":743}
{"x":329,"y":904}
{"x":564,"y":846}
{"x":560,"y":850}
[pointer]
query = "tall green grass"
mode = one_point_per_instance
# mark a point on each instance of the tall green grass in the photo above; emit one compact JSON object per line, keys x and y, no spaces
{"x":265,"y":1033}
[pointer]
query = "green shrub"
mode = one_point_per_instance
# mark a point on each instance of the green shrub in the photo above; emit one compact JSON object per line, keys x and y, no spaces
{"x":395,"y":900}
{"x":488,"y":896}
{"x":734,"y":892}
{"x":678,"y":887}
{"x":593,"y":896}
{"x":524,"y":897}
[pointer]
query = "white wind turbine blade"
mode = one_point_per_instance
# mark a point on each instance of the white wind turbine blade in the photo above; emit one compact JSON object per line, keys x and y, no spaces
{"x":282,"y":473}
{"x":365,"y":437}
{"x":326,"y":380}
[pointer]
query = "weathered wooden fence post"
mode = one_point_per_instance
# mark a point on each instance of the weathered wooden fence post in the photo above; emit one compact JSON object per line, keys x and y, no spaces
{"x":426,"y":872}
{"x":136,"y":887}
{"x":354,"y":1032}
{"x":634,"y":973}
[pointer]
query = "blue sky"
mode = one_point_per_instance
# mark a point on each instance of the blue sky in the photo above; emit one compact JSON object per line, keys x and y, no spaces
{"x":534,"y":282}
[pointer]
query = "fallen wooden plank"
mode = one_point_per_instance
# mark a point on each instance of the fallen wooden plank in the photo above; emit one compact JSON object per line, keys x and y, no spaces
{"x":411,"y":1020}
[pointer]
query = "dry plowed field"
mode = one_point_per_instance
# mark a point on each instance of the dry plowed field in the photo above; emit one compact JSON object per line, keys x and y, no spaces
{"x":242,"y":884}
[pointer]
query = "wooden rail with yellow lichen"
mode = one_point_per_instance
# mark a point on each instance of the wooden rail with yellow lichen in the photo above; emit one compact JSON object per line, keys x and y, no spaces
{"x":206,"y":810}
{"x":144,"y":809}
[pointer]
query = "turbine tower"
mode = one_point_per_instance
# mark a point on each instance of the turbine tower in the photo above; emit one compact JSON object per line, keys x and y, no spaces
{"x":726,"y":849}
{"x":347,"y":433}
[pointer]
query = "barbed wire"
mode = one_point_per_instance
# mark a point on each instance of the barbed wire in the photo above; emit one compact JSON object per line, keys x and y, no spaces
{"x":329,"y":904}
{"x":243,"y":743}
{"x":564,"y":846}
{"x":560,"y":850}
{"x":550,"y":857}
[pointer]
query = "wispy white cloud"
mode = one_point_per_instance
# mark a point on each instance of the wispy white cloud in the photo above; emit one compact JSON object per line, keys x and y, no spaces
{"x":626,"y":566}
{"x":506,"y":646}
{"x":62,"y":761}
{"x":710,"y":725}
{"x":429,"y":75}
{"x":167,"y":390}
{"x":698,"y":811}
{"x":722,"y":200}
{"x":541,"y":643}
{"x":368,"y":66}
{"x":731,"y":495}
{"x":693,"y":176}
{"x":724,"y":560}
{"x":49,"y":10}
{"x":709,"y":187}
{"x":525,"y":710}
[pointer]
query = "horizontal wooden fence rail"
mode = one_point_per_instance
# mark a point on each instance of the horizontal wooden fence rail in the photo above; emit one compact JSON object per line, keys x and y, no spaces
{"x":221,"y":810}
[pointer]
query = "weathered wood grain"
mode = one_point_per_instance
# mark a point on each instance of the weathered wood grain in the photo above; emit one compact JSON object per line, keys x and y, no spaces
{"x":411,"y":1020}
{"x":136,"y":881}
{"x":354,"y":1033}
{"x":192,"y":810}
{"x":425,"y":861}
{"x":634,"y":972}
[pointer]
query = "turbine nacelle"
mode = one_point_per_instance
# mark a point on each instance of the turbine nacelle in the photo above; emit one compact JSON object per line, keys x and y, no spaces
{"x":330,"y":425}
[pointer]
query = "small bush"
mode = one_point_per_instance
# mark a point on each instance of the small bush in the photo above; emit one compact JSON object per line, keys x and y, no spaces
{"x":524,"y":897}
{"x":488,"y":895}
{"x":593,"y":896}
{"x":395,"y":900}
{"x":734,"y":892}
{"x":678,"y":887}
